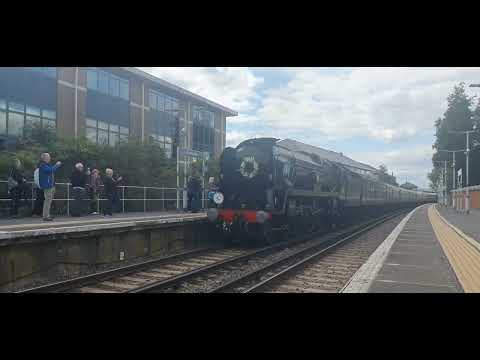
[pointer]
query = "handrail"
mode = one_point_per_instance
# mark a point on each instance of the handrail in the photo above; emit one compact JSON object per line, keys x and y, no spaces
{"x":164,"y":197}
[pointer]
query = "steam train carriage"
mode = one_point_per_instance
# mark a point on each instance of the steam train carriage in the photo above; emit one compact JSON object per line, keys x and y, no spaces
{"x":267,"y":187}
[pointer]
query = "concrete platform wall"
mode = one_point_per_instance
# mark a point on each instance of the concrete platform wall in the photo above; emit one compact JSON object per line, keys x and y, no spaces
{"x":52,"y":257}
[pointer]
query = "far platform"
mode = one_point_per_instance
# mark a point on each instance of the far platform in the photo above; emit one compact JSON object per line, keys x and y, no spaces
{"x":11,"y":229}
{"x":424,"y":253}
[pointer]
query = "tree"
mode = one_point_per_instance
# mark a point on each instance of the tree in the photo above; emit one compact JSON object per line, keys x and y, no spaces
{"x":457,"y":117}
{"x":385,"y":177}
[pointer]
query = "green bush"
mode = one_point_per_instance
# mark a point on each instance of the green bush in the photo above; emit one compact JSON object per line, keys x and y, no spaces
{"x":139,"y":164}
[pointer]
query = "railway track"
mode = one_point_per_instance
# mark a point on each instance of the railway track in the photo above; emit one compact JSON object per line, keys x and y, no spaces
{"x":208,"y":270}
{"x":142,"y":276}
{"x":232,"y":274}
{"x":326,"y":269}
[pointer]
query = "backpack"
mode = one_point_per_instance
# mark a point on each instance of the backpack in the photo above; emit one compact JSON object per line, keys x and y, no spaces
{"x":36,"y":177}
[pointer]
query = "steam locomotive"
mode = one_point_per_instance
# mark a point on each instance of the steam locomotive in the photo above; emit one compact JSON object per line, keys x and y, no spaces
{"x":267,"y":187}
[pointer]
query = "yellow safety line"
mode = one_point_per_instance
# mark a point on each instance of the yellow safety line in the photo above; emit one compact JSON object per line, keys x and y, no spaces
{"x":462,"y":252}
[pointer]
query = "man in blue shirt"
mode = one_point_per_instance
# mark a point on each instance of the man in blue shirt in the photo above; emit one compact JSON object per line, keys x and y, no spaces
{"x":46,"y":174}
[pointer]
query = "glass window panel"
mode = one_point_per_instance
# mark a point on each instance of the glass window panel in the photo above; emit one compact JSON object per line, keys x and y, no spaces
{"x":3,"y":104}
{"x":168,"y":146}
{"x":160,"y":138}
{"x":168,"y":139}
{"x":16,"y":107}
{"x":103,"y":125}
{"x":32,"y":122}
{"x":3,"y":123}
{"x":32,"y":110}
{"x":102,"y":137}
{"x":161,"y":102}
{"x":114,"y":128}
{"x":113,"y":139}
{"x":92,"y":123}
{"x":152,"y":101}
{"x":103,"y":82}
{"x":123,"y":138}
{"x":92,"y":134}
{"x":92,"y":79}
{"x":124,"y":130}
{"x":15,"y":124}
{"x":49,"y":124}
{"x":114,"y":87}
{"x":49,"y":114}
{"x":124,"y":89}
{"x":51,"y":71}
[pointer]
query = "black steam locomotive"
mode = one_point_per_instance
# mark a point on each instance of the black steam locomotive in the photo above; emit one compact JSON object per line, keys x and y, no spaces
{"x":267,"y":188}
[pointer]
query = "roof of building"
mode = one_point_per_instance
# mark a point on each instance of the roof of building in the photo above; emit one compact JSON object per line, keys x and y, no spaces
{"x":407,"y":184}
{"x":180,"y":90}
{"x":333,"y":156}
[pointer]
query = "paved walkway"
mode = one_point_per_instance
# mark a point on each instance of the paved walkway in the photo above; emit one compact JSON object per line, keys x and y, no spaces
{"x":469,"y":224}
{"x":410,"y":260}
{"x":22,"y":227}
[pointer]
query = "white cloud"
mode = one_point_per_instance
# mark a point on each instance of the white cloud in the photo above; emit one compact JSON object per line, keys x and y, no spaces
{"x":231,"y":87}
{"x":412,"y":164}
{"x":387,"y":104}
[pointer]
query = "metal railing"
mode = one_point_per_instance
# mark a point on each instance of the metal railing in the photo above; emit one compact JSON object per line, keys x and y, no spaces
{"x":133,"y":198}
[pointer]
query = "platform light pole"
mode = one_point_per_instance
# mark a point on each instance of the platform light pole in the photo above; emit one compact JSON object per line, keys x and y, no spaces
{"x":453,"y":169}
{"x":444,"y":179}
{"x":181,"y":135}
{"x":467,"y":153}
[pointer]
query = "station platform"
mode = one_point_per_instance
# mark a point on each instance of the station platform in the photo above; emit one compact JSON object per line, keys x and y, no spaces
{"x":425,"y":253}
{"x":27,"y":227}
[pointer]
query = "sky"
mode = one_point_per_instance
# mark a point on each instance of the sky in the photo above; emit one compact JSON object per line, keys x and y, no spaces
{"x":372,"y":115}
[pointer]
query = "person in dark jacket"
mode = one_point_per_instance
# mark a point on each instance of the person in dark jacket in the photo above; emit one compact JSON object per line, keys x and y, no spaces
{"x":78,"y":180}
{"x":110,"y":188}
{"x":193,"y":191}
{"x":39,"y":197}
{"x":17,"y":186}
{"x":47,"y":183}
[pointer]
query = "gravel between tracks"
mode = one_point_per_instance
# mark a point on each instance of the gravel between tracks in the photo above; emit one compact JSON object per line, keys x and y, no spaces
{"x":330,"y":272}
{"x":216,"y":278}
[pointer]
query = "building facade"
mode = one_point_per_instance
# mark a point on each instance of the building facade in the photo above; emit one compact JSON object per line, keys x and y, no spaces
{"x":109,"y":105}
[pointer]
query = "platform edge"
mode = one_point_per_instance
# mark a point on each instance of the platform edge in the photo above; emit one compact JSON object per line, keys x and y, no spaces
{"x":361,"y":281}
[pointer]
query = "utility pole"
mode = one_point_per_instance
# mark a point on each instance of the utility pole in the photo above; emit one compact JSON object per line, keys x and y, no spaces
{"x":453,"y":170}
{"x":467,"y":153}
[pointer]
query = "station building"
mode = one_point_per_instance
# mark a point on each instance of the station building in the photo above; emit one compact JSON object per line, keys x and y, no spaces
{"x":108,"y":105}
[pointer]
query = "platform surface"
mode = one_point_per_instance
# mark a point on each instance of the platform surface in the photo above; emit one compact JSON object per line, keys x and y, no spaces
{"x":22,"y":227}
{"x":468,"y":223}
{"x":411,"y":260}
{"x":416,"y":261}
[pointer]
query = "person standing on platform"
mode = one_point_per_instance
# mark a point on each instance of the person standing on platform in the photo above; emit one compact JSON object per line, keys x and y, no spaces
{"x":39,"y":197}
{"x":193,"y":191}
{"x":94,"y":184}
{"x":110,"y":188}
{"x":17,"y":185}
{"x":78,"y":179}
{"x":212,"y":189}
{"x":47,"y":183}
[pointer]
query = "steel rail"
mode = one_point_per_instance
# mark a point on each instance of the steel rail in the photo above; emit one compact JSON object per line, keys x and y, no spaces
{"x":357,"y":231}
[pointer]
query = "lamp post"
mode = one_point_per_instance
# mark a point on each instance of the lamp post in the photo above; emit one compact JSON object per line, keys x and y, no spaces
{"x":181,"y":135}
{"x":444,"y":180}
{"x":467,"y":152}
{"x":453,"y":169}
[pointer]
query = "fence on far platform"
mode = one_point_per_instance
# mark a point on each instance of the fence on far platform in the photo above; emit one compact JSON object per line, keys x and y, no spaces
{"x":131,"y":198}
{"x":460,"y":197}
